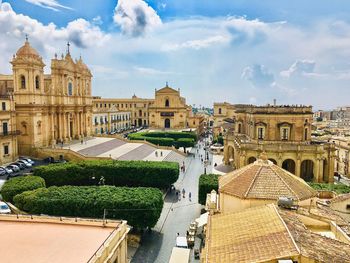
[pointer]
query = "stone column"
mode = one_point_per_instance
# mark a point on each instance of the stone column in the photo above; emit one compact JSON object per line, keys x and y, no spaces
{"x":53,"y":139}
{"x":64,"y":126}
{"x":320,"y":171}
{"x":298,"y":167}
{"x":60,"y":128}
{"x":317,"y":170}
{"x":68,"y":127}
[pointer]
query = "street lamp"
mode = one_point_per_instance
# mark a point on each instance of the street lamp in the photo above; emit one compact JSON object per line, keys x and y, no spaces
{"x":205,"y":166}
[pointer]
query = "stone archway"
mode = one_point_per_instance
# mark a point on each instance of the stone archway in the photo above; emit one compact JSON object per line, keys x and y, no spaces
{"x":273,"y":161}
{"x":231,"y":154}
{"x":307,"y":170}
{"x":251,"y":160}
{"x":289,"y":165}
{"x":167,"y":123}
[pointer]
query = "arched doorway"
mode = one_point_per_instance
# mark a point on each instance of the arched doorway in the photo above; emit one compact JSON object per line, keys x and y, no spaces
{"x":140,"y":122}
{"x":289,"y":165}
{"x":167,"y":123}
{"x":251,"y":160}
{"x":273,"y":161}
{"x":230,"y":154}
{"x":307,"y":170}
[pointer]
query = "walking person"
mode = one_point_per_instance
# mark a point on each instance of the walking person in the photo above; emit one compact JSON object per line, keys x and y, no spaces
{"x":183,"y":192}
{"x":189,"y":196}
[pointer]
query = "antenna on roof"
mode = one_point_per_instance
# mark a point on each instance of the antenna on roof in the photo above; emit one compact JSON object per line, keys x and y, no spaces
{"x":166,"y":84}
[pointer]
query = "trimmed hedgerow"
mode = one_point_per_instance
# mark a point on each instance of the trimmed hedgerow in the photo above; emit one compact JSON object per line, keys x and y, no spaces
{"x":141,"y":207}
{"x":338,"y":188}
{"x":118,"y":173}
{"x":164,"y":138}
{"x":19,"y":185}
{"x":207,"y":183}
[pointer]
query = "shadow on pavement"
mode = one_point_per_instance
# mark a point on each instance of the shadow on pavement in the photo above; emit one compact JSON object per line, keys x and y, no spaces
{"x":149,"y":248}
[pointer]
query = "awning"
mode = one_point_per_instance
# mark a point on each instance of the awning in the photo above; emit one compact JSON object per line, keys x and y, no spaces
{"x":203,"y":219}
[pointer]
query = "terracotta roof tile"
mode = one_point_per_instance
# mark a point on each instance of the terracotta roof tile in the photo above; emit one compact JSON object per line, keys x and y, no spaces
{"x":264,"y":180}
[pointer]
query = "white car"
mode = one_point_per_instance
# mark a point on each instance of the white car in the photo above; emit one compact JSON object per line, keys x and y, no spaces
{"x":4,"y":208}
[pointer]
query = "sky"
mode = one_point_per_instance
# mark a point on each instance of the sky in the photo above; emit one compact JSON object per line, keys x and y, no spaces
{"x":238,"y":51}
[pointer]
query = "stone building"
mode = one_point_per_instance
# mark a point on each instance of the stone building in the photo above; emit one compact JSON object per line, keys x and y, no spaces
{"x":49,"y":108}
{"x":109,"y":120}
{"x":169,"y":110}
{"x":8,"y":131}
{"x":259,"y":183}
{"x":138,"y":107}
{"x":283,"y":132}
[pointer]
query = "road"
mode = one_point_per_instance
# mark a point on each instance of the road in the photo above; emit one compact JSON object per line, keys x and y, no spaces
{"x":175,"y":218}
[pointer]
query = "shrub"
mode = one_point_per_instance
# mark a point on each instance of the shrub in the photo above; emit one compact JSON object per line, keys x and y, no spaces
{"x":338,"y":188}
{"x":19,"y":185}
{"x":117,"y":173}
{"x":164,"y":138}
{"x":141,"y":207}
{"x":207,"y":183}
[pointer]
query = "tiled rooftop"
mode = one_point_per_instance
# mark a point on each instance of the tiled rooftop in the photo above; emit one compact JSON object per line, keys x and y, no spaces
{"x":253,"y":235}
{"x":264,"y":180}
{"x":266,"y":233}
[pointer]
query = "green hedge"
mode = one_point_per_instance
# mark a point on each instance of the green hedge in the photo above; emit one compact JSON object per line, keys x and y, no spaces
{"x":118,"y":173}
{"x":165,"y":138}
{"x":18,"y":185}
{"x":141,"y":207}
{"x":338,"y":188}
{"x":207,"y":183}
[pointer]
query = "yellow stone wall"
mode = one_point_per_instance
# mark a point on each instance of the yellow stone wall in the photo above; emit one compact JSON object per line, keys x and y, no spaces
{"x":49,"y":108}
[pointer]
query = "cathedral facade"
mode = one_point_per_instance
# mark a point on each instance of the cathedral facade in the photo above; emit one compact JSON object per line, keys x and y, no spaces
{"x":48,"y":108}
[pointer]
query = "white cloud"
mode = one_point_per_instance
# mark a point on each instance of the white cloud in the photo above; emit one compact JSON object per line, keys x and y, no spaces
{"x":152,"y":71}
{"x":258,"y":75}
{"x":81,"y":32}
{"x":197,"y":43}
{"x":299,"y":68}
{"x":135,"y":17}
{"x":49,"y":4}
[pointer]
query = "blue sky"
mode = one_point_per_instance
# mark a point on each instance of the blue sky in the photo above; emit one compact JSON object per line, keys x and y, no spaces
{"x":238,"y":51}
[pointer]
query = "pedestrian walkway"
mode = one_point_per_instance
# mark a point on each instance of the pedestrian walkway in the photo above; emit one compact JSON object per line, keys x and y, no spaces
{"x":123,"y":150}
{"x":176,"y":216}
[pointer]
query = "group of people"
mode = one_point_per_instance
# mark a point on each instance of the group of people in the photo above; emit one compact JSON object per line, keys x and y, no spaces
{"x":161,"y":153}
{"x":178,"y":194}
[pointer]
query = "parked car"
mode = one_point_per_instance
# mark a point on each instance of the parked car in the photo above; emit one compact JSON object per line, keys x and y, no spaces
{"x":25,"y":163}
{"x":27,"y":160}
{"x":13,"y":167}
{"x":4,"y":208}
{"x":8,"y":170}
{"x":3,"y":172}
{"x":21,"y":166}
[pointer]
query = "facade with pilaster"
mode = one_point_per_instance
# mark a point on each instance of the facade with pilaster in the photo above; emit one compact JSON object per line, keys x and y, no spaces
{"x":49,"y":108}
{"x":283,"y":132}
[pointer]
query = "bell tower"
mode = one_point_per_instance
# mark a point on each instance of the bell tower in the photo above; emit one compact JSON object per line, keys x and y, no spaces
{"x":28,"y":74}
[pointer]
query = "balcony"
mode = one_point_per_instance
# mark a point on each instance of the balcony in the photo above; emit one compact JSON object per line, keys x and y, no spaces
{"x":10,"y":133}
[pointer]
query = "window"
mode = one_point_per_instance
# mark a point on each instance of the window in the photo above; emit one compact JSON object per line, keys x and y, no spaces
{"x":348,"y":206}
{"x":96,"y":121}
{"x":105,"y":105}
{"x":6,"y":149}
{"x":3,"y":105}
{"x":70,"y":89}
{"x":140,"y":113}
{"x":23,"y":82}
{"x":37,"y":82}
{"x":285,"y":134}
{"x":260,"y":133}
{"x":167,"y":103}
{"x":239,"y":127}
{"x":4,"y":128}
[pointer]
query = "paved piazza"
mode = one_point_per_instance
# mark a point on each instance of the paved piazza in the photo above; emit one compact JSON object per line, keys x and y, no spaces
{"x":121,"y":150}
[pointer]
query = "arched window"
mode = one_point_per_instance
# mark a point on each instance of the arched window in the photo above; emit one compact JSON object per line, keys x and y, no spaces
{"x":167,"y":103}
{"x":37,"y":82}
{"x":305,"y":134}
{"x":23,"y":82}
{"x":39,"y":127}
{"x":70,"y":89}
{"x":220,"y":110}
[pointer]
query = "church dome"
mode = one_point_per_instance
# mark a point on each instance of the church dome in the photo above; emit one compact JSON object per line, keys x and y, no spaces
{"x":27,"y":51}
